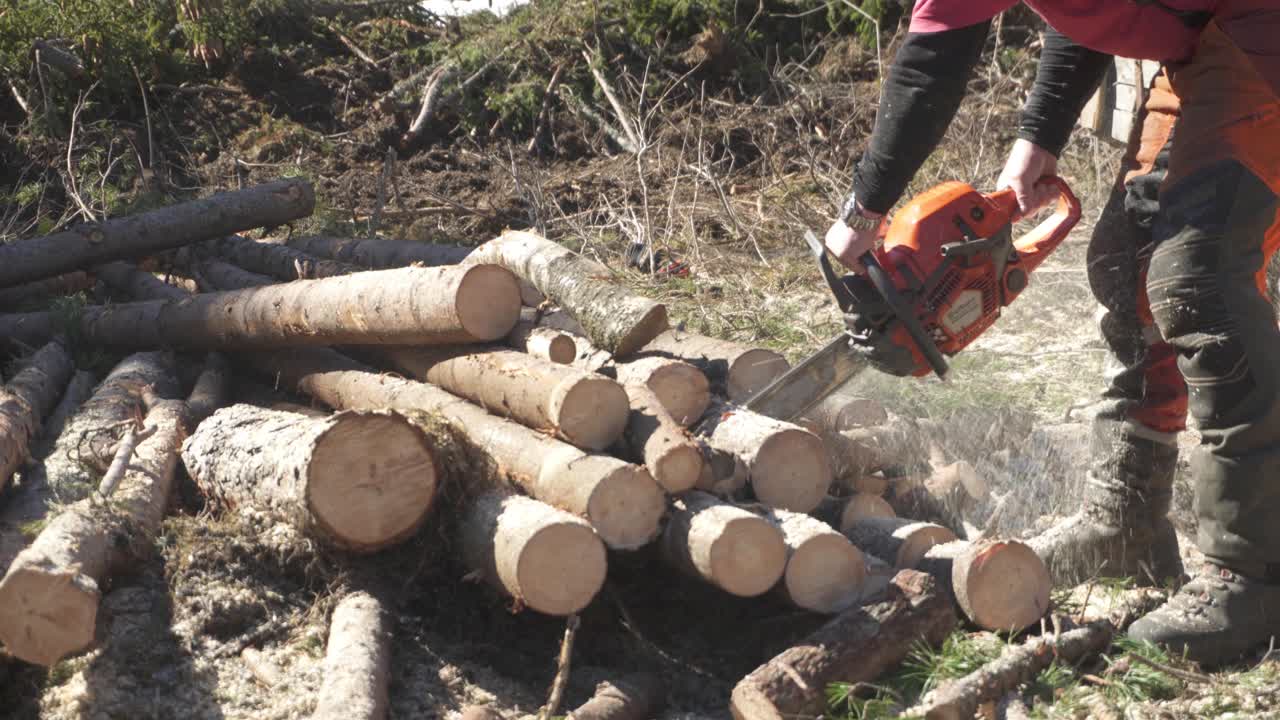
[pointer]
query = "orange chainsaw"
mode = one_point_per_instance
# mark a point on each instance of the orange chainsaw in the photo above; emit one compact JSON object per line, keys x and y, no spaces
{"x":947,"y":267}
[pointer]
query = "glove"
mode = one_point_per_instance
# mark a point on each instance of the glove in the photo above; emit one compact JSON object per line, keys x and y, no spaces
{"x":870,"y":324}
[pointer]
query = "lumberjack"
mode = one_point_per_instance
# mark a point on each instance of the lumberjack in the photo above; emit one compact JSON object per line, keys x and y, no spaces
{"x":1178,"y":262}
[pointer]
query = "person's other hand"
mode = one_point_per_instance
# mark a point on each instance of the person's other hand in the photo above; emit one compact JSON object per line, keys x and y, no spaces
{"x":848,"y":244}
{"x":1028,"y":163}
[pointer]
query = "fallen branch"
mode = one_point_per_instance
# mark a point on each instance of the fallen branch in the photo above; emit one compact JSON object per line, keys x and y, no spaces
{"x":357,"y":662}
{"x":633,"y":136}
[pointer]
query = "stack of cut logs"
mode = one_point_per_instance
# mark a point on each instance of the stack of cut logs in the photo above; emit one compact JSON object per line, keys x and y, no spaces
{"x":599,"y":429}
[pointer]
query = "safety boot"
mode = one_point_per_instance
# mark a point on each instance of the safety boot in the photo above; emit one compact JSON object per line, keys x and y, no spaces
{"x":1123,"y":528}
{"x":1216,"y":617}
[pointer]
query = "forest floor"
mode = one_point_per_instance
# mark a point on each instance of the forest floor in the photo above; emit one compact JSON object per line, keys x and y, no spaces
{"x":229,"y":618}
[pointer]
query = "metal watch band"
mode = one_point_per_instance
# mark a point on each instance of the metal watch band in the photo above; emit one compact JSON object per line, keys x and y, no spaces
{"x":852,"y":216}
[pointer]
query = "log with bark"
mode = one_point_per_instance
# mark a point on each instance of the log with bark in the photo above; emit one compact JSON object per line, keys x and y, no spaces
{"x":900,"y":541}
{"x":724,"y":545}
{"x":615,"y":319}
{"x":358,"y":480}
{"x":50,"y":594}
{"x":276,"y":260}
{"x":723,"y":473}
{"x":638,"y":696}
{"x":584,"y":409}
{"x":947,"y":494}
{"x":681,"y":388}
{"x":213,"y":275}
{"x":435,"y":306}
{"x":129,"y":282}
{"x":1000,"y":585}
{"x":377,"y":253}
{"x":856,"y":646}
{"x":41,"y":291}
{"x":824,"y":570}
{"x":620,"y":500}
{"x":960,"y":699}
{"x":787,"y":465}
{"x":737,"y":371}
{"x":69,"y":467}
{"x":26,"y":400}
{"x":838,"y":413}
{"x":357,"y":661}
{"x":654,"y":438}
{"x":547,"y":559}
{"x":93,"y":243}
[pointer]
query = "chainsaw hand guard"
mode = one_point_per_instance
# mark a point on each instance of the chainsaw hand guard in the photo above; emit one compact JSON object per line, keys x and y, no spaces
{"x":867,"y":320}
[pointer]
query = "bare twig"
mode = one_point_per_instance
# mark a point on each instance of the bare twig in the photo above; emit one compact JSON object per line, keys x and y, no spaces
{"x":874,"y":21}
{"x":383,"y":179}
{"x":430,"y":97}
{"x":71,"y":169}
{"x":352,"y":46}
{"x":540,"y":125}
{"x":120,"y":462}
{"x":17,"y":96}
{"x":623,"y":118}
{"x":1185,"y":675}
{"x":562,"y":670}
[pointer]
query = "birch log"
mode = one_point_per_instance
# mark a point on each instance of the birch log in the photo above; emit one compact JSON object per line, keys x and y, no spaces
{"x":900,"y":541}
{"x":620,"y":500}
{"x":787,"y":465}
{"x":583,"y":409}
{"x":357,"y":661}
{"x":276,"y":260}
{"x":94,"y":243}
{"x":551,"y":345}
{"x":378,"y":253}
{"x":724,"y":545}
{"x":549,"y":560}
{"x":615,"y":319}
{"x":1000,"y":585}
{"x":361,"y":481}
{"x":737,"y":371}
{"x":681,"y":388}
{"x":25,"y":400}
{"x":824,"y":570}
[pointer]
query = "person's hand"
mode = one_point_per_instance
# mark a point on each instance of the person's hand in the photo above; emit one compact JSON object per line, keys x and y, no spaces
{"x":848,"y":244}
{"x":1028,"y":163}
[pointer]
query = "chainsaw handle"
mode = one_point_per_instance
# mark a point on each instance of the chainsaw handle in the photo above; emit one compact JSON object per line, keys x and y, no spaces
{"x":1036,"y":245}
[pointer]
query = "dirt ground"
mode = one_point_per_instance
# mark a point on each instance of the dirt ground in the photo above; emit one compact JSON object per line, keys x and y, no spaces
{"x":228,"y":617}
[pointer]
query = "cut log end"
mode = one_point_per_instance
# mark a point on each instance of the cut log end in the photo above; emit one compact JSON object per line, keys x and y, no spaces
{"x":649,"y":326}
{"x":862,"y":506}
{"x":682,"y":389}
{"x":791,"y":471}
{"x":917,"y":538}
{"x":561,"y":568}
{"x":825,"y":573}
{"x":1001,"y":585}
{"x":373,"y":478}
{"x":627,"y":507}
{"x":551,"y":345}
{"x":678,"y":468}
{"x":748,"y":557}
{"x":593,"y":412}
{"x":752,"y":371}
{"x":46,"y":614}
{"x":488,"y":302}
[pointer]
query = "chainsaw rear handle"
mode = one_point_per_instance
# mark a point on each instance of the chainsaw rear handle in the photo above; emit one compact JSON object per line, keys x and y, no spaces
{"x":1037,"y":244}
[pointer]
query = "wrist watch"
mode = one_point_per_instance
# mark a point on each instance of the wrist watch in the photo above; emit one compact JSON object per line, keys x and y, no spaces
{"x":857,"y":217}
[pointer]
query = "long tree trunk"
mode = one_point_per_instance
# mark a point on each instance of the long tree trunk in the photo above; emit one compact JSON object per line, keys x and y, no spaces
{"x":212,"y":275}
{"x":378,"y":253}
{"x":899,"y":541}
{"x":49,"y":597}
{"x":615,"y":319}
{"x":70,"y":469}
{"x":787,"y":465}
{"x":652,"y":437}
{"x":26,"y":400}
{"x":130,"y":282}
{"x":824,"y":570}
{"x":620,"y":500}
{"x":738,"y":371}
{"x":584,"y":409}
{"x":94,"y":243}
{"x":411,"y":306}
{"x":681,"y":388}
{"x":547,"y":559}
{"x":638,"y":696}
{"x":735,"y":550}
{"x":357,"y":662}
{"x":1002,"y":586}
{"x":276,"y":260}
{"x":361,"y":481}
{"x":857,"y":646}
{"x":838,"y":413}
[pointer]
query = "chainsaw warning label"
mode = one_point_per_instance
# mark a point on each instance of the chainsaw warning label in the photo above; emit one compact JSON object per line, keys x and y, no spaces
{"x":963,"y":312}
